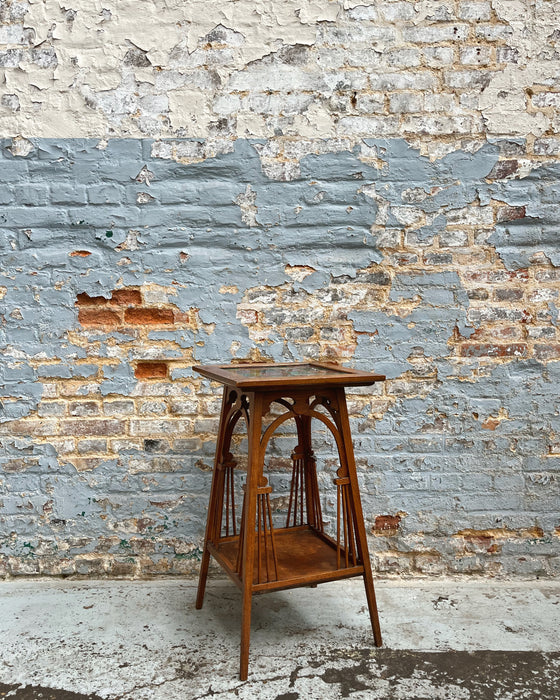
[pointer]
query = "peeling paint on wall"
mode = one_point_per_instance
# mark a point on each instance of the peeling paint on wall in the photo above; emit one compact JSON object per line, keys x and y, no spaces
{"x":460,"y":70}
{"x":368,"y":182}
{"x":376,"y":256}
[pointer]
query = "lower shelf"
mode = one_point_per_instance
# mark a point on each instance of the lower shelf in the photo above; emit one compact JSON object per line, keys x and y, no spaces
{"x":304,"y":558}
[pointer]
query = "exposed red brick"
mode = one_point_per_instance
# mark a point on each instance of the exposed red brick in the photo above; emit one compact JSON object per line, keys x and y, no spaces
{"x":550,"y":275}
{"x":550,"y":351}
{"x":509,"y":294}
{"x":503,"y":168}
{"x":146,"y":316}
{"x":150,"y":370}
{"x":19,"y":465}
{"x":122,"y":568}
{"x":496,"y":276}
{"x":88,"y":464}
{"x":126,"y":297}
{"x":387,"y":522}
{"x":482,"y":537}
{"x":247,"y":316}
{"x":501,"y":533}
{"x":84,"y":408}
{"x":84,"y":299}
{"x":93,"y":427}
{"x":143,"y":524}
{"x":510,"y":213}
{"x":98,"y":317}
{"x":503,"y":332}
{"x":79,"y":254}
{"x":183,"y":317}
{"x":402,"y":259}
{"x":493,"y":350}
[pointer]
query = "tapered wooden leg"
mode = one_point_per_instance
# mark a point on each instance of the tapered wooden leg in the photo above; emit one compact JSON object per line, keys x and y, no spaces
{"x":358,"y":515}
{"x":245,"y":635}
{"x":254,"y":472}
{"x":202,"y":576}
{"x":214,"y":511}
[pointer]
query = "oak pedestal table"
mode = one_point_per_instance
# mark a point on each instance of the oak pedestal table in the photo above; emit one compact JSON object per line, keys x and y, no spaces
{"x":258,"y":556}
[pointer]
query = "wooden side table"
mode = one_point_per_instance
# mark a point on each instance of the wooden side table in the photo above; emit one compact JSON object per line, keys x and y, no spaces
{"x":258,"y":556}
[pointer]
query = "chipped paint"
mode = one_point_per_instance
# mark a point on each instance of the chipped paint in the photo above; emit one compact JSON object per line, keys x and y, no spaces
{"x":368,"y":182}
{"x":225,"y":260}
{"x":263,"y":70}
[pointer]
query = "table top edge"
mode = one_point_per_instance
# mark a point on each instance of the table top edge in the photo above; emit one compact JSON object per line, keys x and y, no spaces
{"x":346,"y":376}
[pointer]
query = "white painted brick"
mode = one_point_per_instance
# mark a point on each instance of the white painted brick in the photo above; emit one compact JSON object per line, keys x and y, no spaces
{"x":261,"y":77}
{"x":438,"y":56}
{"x":440,"y":102}
{"x":406,"y":102}
{"x":389,"y":238}
{"x":441,"y":11}
{"x":438,"y":124}
{"x":547,"y":99}
{"x":227,"y":104}
{"x":331,"y":57}
{"x":402,"y":58}
{"x":50,"y":391}
{"x":13,"y":34}
{"x":146,"y":428}
{"x":436,"y":33}
{"x":471,"y":216}
{"x":363,"y":57}
{"x":397,"y":11}
{"x":369,"y":34}
{"x":277,"y":104}
{"x":154,"y":297}
{"x":348,"y":80}
{"x":475,"y":55}
{"x":507,"y":54}
{"x":422,"y":80}
{"x":408,"y":216}
{"x":477,"y":11}
{"x":469,"y":100}
{"x":547,"y":147}
{"x":493,"y":32}
{"x":371,"y":126}
{"x":362,"y":13}
{"x":370,"y":103}
{"x":470,"y":79}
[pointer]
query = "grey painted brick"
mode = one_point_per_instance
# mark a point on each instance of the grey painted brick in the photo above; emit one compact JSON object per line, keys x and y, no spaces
{"x":105,"y":194}
{"x":6,"y":194}
{"x":31,"y":195}
{"x":451,"y":477}
{"x":68,"y":193}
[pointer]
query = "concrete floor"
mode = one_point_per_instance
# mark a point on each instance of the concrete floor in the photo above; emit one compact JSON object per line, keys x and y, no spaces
{"x":137,"y":640}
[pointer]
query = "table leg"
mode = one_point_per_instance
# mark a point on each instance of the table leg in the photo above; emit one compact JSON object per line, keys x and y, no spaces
{"x":254,"y":472}
{"x":312,"y":496}
{"x":214,"y":509}
{"x":360,"y":529}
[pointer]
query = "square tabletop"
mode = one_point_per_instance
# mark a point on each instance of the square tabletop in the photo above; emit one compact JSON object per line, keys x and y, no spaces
{"x":260,"y":375}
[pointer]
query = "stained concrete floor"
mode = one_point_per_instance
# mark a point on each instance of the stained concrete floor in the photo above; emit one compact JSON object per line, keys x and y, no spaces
{"x":140,"y":640}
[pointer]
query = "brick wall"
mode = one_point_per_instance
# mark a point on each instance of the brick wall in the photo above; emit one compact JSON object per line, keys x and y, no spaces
{"x":372,"y":183}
